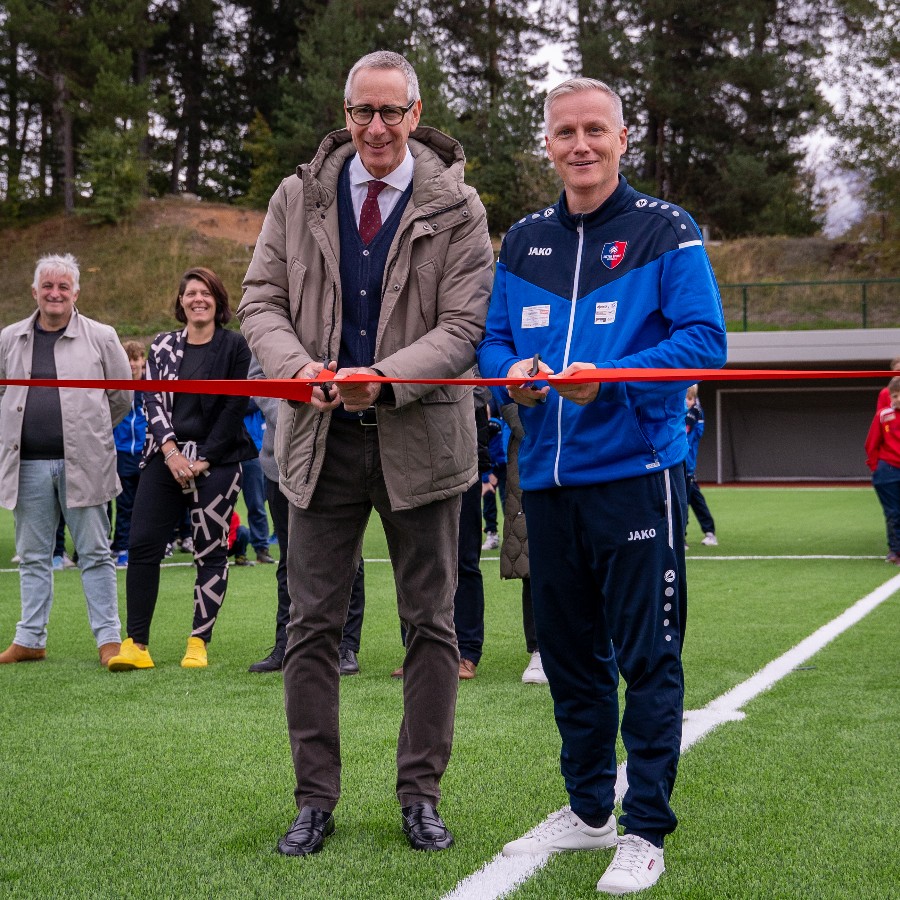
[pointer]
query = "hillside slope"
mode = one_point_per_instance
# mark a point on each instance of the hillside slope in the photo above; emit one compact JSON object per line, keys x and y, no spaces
{"x":130,"y":272}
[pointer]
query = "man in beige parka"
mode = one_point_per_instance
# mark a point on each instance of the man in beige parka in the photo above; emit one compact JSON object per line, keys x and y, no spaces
{"x":57,"y":453}
{"x":374,"y":258}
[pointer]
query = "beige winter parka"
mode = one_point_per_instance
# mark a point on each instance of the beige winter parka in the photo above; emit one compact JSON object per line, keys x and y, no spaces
{"x":435,"y":294}
{"x":87,"y":350}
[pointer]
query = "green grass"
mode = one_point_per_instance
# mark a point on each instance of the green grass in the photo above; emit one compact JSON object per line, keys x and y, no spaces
{"x":129,"y":273}
{"x":172,"y":783}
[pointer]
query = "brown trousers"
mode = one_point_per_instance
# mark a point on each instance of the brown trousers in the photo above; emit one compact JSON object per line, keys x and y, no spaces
{"x":325,"y":544}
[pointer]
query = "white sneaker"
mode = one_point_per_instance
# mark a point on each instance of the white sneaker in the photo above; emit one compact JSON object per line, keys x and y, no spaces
{"x":710,"y":539}
{"x":534,"y":671}
{"x":491,"y":541}
{"x":563,"y":830}
{"x":16,"y":559}
{"x":637,"y":865}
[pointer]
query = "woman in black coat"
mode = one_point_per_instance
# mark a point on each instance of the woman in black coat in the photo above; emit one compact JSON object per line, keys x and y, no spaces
{"x":192,"y":460}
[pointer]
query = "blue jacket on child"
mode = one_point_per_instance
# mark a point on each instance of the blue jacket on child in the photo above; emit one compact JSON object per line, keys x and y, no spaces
{"x":131,"y":432}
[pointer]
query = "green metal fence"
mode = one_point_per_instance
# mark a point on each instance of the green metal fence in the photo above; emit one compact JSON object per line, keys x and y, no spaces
{"x":806,"y":305}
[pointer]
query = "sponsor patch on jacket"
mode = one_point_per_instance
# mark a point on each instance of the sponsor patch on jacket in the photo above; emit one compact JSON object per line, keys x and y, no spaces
{"x":536,"y":316}
{"x":613,"y":253}
{"x":605,"y":313}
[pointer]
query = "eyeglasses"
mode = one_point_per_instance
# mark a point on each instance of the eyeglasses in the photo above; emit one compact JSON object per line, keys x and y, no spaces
{"x":390,"y":115}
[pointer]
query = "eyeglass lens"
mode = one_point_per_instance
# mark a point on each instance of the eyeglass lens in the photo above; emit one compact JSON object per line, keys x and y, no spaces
{"x":390,"y":115}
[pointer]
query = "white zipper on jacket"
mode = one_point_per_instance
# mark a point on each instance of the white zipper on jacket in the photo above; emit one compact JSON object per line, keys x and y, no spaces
{"x":568,"y":348}
{"x":669,"y":508}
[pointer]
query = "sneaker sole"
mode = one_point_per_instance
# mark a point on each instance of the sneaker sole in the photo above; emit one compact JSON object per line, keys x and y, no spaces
{"x":125,"y":666}
{"x":607,"y":843}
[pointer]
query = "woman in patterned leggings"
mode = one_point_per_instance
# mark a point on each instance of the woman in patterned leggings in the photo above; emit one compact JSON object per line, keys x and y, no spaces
{"x":192,"y":459}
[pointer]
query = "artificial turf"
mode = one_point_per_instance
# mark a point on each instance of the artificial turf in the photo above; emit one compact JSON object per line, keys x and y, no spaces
{"x":176,"y":783}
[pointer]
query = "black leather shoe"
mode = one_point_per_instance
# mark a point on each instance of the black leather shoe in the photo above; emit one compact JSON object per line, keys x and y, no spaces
{"x":424,"y":828}
{"x":308,"y":832}
{"x":348,"y":662}
{"x":272,"y":663}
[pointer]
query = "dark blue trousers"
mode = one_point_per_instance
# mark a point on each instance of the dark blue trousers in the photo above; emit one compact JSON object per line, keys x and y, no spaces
{"x":468,"y":602}
{"x":886,"y":481}
{"x":698,"y":504}
{"x":254,"y":488}
{"x":609,"y":595}
{"x":128,"y":468}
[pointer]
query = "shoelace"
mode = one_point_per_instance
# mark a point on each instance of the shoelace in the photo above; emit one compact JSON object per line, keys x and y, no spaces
{"x":629,"y":853}
{"x":557,"y":823}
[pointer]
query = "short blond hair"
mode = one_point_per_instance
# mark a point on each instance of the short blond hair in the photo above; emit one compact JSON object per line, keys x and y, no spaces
{"x":692,"y":392}
{"x":577,"y":85}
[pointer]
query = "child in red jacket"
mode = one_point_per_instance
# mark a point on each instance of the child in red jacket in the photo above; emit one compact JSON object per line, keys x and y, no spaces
{"x":883,"y":458}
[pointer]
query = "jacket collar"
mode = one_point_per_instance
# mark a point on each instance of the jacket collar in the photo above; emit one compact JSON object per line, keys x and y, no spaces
{"x":26,"y":326}
{"x":611,"y":207}
{"x":437,"y":179}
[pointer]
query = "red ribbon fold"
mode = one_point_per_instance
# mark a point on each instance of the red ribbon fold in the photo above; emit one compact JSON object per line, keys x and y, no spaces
{"x":300,"y":389}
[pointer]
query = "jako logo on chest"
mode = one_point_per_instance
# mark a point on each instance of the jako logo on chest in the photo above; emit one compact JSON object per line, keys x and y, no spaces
{"x":540,"y":251}
{"x":644,"y":535}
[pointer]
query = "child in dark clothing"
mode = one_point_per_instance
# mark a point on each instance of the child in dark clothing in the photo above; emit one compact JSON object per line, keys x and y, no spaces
{"x":694,"y":426}
{"x":129,"y":436}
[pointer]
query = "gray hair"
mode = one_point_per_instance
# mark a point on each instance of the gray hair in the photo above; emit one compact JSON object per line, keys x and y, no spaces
{"x":577,"y":85}
{"x":55,"y":262}
{"x":386,"y":59}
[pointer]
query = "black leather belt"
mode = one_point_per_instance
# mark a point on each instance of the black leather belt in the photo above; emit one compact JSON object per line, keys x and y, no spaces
{"x":367,"y":419}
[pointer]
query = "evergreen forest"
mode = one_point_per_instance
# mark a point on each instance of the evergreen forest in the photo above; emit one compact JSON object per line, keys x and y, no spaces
{"x":105,"y":102}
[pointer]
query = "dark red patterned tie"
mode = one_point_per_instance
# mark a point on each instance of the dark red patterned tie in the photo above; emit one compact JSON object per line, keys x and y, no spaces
{"x":370,"y":217}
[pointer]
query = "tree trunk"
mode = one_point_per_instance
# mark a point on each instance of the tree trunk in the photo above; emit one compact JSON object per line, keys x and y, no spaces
{"x":177,"y":154}
{"x":62,"y":136}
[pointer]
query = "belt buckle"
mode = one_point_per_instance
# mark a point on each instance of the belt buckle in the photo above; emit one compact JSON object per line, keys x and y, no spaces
{"x":368,"y":419}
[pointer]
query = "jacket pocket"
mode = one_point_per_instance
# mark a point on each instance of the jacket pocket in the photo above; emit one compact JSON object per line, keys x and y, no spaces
{"x":449,"y":428}
{"x":427,"y":284}
{"x":296,"y":276}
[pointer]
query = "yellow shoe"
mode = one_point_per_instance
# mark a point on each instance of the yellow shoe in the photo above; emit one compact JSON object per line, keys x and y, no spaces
{"x":129,"y":657}
{"x":195,"y":655}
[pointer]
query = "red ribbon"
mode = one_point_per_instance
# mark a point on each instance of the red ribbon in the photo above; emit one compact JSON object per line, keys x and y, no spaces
{"x":300,"y":390}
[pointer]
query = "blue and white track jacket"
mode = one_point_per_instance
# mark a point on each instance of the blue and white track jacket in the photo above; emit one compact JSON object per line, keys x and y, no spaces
{"x":626,"y":286}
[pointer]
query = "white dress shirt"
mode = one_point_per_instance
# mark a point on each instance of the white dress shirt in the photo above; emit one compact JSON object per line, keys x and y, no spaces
{"x":397,"y":182}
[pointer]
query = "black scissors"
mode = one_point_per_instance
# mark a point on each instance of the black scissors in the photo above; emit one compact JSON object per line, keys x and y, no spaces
{"x":326,"y":386}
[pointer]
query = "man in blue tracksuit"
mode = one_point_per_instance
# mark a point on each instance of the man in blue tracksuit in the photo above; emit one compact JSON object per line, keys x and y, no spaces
{"x":607,"y":278}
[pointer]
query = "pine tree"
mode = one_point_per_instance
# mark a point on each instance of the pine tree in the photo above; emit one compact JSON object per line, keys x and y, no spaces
{"x":867,"y":119}
{"x":716,"y":99}
{"x":80,"y":58}
{"x":486,"y":48}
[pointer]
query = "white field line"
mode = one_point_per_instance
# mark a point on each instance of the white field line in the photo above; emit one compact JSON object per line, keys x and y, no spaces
{"x":377,"y":559}
{"x":503,"y":874}
{"x":165,"y":565}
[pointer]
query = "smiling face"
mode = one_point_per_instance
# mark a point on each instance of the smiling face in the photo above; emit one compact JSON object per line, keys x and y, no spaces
{"x":198,"y":303}
{"x":137,"y":367}
{"x":381,"y":147}
{"x":55,"y":296}
{"x":585,"y":142}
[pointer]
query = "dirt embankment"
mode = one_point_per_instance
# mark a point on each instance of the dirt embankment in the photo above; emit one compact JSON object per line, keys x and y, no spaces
{"x":215,"y":220}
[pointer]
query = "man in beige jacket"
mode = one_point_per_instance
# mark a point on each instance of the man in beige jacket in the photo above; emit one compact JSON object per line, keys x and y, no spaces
{"x":57,"y":453}
{"x":373,"y":258}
